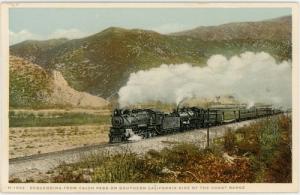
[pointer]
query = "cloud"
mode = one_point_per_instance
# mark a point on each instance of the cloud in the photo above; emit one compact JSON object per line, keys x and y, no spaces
{"x":16,"y":37}
{"x":23,"y":35}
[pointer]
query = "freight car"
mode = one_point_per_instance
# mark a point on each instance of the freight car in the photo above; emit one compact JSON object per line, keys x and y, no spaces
{"x":148,"y":123}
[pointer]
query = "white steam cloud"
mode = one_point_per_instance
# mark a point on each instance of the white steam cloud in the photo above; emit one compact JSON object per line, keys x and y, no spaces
{"x":250,"y":77}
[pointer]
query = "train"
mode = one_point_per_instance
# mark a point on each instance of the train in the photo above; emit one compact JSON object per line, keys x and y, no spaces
{"x":146,"y":123}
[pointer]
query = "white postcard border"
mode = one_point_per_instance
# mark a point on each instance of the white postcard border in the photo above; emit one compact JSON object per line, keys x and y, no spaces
{"x":143,"y":187}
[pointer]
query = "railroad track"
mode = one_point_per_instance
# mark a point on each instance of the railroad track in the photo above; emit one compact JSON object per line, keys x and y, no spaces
{"x":102,"y":146}
{"x":43,"y":155}
{"x":88,"y":148}
{"x":80,"y":149}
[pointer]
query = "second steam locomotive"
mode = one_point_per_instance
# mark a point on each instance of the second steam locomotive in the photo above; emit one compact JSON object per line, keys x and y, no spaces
{"x":148,"y":123}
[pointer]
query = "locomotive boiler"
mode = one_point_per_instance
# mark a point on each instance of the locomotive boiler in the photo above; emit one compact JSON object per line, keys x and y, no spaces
{"x":141,"y":122}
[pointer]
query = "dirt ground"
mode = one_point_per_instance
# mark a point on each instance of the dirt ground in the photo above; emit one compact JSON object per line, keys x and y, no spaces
{"x":57,"y":111}
{"x":24,"y":141}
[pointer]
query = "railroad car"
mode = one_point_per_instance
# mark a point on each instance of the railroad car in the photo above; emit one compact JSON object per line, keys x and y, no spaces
{"x":246,"y":114}
{"x":213,"y":117}
{"x":264,"y":111}
{"x":147,"y":123}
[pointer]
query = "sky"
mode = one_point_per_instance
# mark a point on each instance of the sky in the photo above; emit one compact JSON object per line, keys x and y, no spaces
{"x":48,"y":23}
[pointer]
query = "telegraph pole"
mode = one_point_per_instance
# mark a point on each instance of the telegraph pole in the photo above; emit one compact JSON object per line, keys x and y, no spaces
{"x":207,"y":131}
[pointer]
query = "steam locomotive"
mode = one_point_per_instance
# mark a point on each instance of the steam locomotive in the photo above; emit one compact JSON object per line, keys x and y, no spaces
{"x":148,"y":123}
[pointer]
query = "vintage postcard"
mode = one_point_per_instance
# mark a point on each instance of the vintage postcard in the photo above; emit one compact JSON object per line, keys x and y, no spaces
{"x":149,"y":97}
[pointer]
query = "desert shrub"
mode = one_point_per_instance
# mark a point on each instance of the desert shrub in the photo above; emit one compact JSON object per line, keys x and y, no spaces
{"x":180,"y":154}
{"x":15,"y":180}
{"x":153,"y":154}
{"x":269,"y":136}
{"x":248,"y":147}
{"x":269,"y":144}
{"x":119,"y":168}
{"x":279,"y":167}
{"x":211,"y":168}
{"x":284,"y":122}
{"x":229,"y":140}
{"x":217,"y":148}
{"x":248,"y":139}
{"x":103,"y":168}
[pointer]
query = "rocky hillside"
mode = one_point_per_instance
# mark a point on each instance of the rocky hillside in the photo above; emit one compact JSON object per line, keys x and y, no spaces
{"x":274,"y":29}
{"x":31,"y":86}
{"x":100,"y":64}
{"x":63,"y":94}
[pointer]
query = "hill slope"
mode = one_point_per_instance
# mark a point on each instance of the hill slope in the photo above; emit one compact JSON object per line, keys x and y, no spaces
{"x":100,"y":64}
{"x":32,"y":86}
{"x":274,"y":29}
{"x":31,"y":49}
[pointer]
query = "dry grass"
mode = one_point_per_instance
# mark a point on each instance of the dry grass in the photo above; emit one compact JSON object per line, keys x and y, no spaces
{"x":32,"y":140}
{"x":40,"y":119}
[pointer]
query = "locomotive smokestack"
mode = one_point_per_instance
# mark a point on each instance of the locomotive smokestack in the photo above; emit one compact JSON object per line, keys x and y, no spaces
{"x":181,"y":101}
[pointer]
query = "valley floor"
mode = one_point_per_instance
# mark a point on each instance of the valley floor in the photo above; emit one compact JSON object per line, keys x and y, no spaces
{"x":49,"y":130}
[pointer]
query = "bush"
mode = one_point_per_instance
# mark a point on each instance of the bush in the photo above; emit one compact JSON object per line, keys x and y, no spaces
{"x":229,"y":140}
{"x":269,"y":144}
{"x":279,"y":170}
{"x":121,"y":168}
{"x":269,"y":136}
{"x":279,"y":167}
{"x":181,"y":163}
{"x":180,"y":154}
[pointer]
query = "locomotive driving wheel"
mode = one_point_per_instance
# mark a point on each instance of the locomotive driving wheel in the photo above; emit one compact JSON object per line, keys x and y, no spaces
{"x":158,"y":131}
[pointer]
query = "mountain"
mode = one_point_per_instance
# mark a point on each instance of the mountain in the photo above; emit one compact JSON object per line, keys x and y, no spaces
{"x":101,"y":63}
{"x":274,"y":29}
{"x":31,"y":49}
{"x":31,"y":86}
